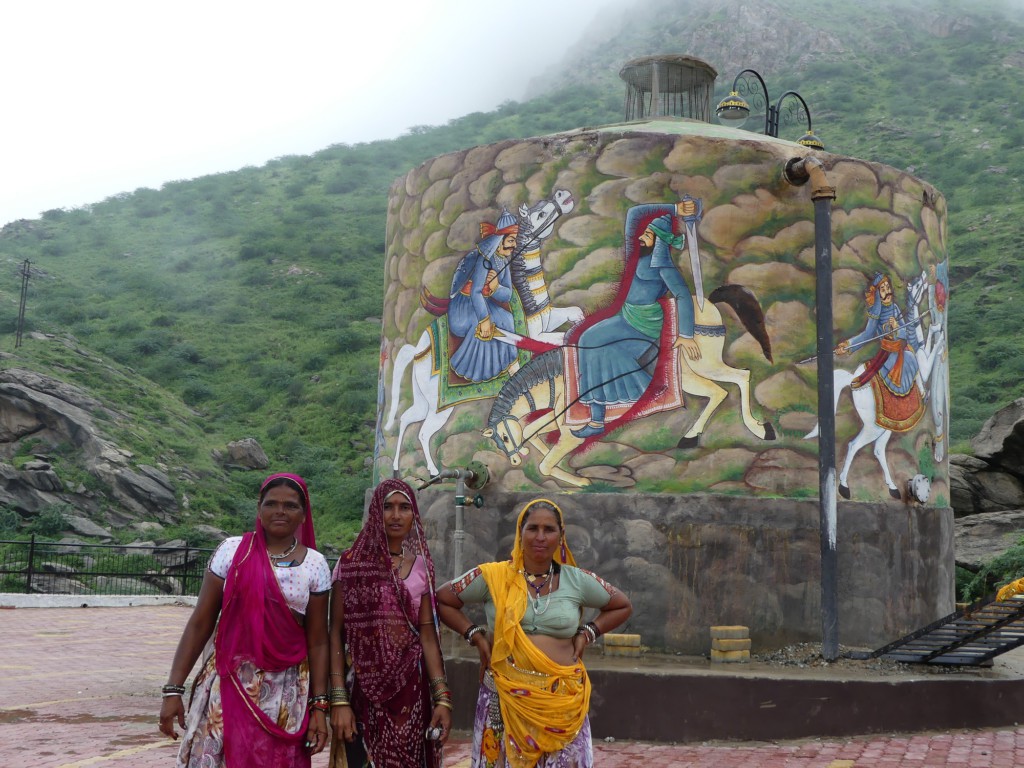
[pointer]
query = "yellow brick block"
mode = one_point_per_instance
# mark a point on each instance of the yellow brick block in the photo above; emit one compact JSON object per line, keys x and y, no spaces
{"x":726,"y":644}
{"x":730,"y":656}
{"x":730,"y":632}
{"x":628,"y":641}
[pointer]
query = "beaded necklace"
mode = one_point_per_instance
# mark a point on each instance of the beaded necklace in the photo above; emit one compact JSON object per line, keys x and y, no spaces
{"x":532,"y":580}
{"x":275,"y":558}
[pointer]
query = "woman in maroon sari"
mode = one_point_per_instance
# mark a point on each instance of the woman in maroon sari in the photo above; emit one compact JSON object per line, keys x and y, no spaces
{"x":390,"y":703}
{"x":260,"y":698}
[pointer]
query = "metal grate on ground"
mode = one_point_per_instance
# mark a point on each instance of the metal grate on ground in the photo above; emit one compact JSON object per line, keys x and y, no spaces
{"x":971,"y":636}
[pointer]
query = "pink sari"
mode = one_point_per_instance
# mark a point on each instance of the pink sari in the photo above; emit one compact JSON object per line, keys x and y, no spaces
{"x":257,"y":626}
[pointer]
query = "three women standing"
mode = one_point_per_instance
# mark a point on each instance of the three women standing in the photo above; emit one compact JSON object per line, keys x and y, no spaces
{"x":387,"y":695}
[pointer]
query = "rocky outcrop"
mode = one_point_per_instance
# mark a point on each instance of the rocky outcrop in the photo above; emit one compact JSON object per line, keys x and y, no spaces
{"x":52,"y":413}
{"x":987,"y":489}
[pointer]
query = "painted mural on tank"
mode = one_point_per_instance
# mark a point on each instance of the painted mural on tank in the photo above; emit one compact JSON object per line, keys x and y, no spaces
{"x":626,"y":310}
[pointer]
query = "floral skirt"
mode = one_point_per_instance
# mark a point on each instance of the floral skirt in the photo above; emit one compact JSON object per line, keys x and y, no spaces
{"x":489,"y":737}
{"x":282,"y":695}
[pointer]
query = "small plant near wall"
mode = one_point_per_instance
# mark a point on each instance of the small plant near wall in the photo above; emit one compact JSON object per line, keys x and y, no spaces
{"x":51,"y":520}
{"x":10,"y":521}
{"x":994,"y":574}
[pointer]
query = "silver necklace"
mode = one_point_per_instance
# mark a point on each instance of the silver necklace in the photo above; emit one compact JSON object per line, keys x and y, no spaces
{"x":539,"y":610}
{"x":275,"y":558}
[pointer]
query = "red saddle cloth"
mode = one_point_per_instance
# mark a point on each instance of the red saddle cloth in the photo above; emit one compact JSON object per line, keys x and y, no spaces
{"x":896,"y":412}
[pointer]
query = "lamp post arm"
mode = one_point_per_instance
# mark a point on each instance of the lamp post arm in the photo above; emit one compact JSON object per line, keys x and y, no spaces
{"x":777,"y":109}
{"x":767,"y":98}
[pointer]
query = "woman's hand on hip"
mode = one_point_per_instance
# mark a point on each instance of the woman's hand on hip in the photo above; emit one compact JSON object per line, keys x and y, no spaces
{"x":343,"y":722}
{"x":483,"y":647}
{"x":579,"y":645}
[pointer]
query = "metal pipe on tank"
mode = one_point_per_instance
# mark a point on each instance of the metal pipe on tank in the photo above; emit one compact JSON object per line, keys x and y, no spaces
{"x":799,"y":171}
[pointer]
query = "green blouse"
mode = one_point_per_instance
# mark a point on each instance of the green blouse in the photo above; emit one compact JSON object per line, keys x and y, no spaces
{"x":556,"y":614}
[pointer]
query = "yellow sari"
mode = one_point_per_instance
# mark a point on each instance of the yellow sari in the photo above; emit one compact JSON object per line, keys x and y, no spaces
{"x":543,"y":704}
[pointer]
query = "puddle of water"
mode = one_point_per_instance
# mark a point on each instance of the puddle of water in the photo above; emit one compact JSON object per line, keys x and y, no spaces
{"x":16,"y":715}
{"x":87,"y":718}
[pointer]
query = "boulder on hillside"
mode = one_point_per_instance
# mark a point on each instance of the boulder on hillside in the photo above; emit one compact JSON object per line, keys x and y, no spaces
{"x":85,"y":527}
{"x":980,"y":538}
{"x":977,"y":486}
{"x":247,"y":453}
{"x":1001,"y":439}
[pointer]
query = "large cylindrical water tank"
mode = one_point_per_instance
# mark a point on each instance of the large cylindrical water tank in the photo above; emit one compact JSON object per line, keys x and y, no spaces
{"x":623,"y":318}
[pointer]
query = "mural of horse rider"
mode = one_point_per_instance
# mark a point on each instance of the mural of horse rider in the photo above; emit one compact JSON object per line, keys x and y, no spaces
{"x":618,"y":352}
{"x":479,"y":303}
{"x":895,"y":362}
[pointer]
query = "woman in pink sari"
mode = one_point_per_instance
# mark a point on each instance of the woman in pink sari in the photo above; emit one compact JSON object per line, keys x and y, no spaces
{"x":260,"y":698}
{"x":390,"y":703}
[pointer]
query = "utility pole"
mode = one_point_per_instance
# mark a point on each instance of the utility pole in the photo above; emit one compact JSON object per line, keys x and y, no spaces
{"x":26,"y":270}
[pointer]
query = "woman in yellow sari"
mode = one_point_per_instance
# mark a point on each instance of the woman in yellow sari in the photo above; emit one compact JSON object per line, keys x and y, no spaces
{"x":535,"y":693}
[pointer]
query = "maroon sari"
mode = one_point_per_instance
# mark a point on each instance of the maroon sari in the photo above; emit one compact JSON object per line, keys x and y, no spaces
{"x":391,"y":694}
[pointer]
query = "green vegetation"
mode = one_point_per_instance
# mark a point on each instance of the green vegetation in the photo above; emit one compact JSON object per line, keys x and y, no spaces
{"x":997,"y":573}
{"x":51,"y":520}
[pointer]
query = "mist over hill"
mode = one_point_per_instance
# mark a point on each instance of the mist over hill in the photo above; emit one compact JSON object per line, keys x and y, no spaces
{"x":254,"y":297}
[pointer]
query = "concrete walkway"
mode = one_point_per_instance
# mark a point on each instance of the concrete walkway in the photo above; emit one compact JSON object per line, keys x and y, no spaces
{"x":80,"y":687}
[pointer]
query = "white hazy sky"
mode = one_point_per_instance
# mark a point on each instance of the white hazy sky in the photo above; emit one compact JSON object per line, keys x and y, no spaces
{"x":107,"y":96}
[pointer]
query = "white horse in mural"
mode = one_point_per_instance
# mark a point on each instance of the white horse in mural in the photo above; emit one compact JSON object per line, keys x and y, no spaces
{"x":940,"y":371}
{"x":864,"y":396}
{"x":536,"y":224}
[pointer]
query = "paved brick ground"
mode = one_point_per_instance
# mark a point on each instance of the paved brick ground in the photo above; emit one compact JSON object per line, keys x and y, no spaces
{"x":80,"y":687}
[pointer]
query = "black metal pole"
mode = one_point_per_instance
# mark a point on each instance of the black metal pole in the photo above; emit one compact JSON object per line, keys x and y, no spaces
{"x":26,"y":270}
{"x":799,"y":171}
{"x":31,"y":555}
{"x":187,"y":570}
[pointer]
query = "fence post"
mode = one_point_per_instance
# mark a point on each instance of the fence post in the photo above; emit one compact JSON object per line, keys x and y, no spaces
{"x":31,"y":555}
{"x":187,"y":570}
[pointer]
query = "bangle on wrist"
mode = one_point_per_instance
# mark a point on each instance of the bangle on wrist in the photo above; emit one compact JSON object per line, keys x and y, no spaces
{"x":473,"y":630}
{"x":319,"y":702}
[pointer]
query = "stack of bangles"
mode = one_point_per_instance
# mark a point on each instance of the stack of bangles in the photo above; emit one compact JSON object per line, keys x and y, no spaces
{"x":590,"y":630}
{"x":339,"y":697}
{"x":319,"y":703}
{"x":472,"y":630}
{"x":440,"y":694}
{"x":172,"y":690}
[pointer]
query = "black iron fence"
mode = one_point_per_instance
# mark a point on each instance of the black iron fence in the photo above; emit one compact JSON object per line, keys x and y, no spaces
{"x":66,"y":568}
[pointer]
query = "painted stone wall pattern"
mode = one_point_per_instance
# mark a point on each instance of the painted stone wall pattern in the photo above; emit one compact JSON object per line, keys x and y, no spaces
{"x":701,"y":378}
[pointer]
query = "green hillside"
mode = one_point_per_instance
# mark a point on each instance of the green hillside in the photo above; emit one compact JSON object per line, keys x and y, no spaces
{"x":255,"y":296}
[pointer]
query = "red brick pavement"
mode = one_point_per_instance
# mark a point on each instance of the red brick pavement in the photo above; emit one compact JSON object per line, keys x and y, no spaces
{"x":80,"y":687}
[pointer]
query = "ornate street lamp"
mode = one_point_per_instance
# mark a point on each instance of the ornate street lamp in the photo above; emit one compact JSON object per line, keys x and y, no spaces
{"x":734,"y":109}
